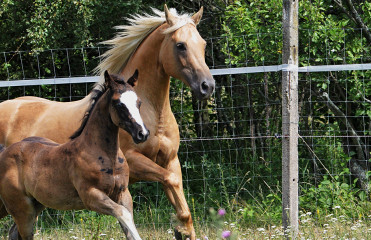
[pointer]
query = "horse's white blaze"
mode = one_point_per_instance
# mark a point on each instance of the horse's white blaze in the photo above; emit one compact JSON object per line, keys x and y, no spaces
{"x":129,"y":98}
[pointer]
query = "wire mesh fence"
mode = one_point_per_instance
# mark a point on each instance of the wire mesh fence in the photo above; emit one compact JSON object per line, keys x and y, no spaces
{"x":230,"y":147}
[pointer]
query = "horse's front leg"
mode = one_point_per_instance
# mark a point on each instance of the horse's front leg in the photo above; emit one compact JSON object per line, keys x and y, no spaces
{"x":177,"y":199}
{"x":98,"y":201}
{"x":143,"y":168}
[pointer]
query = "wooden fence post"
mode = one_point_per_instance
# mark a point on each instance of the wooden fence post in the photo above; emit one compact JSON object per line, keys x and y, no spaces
{"x":290,"y":118}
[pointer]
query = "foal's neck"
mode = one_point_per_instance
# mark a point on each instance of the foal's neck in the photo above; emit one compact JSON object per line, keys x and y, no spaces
{"x":100,"y":133}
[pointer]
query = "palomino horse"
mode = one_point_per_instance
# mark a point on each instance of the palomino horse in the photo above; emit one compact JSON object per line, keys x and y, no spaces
{"x":159,"y":46}
{"x":89,"y":171}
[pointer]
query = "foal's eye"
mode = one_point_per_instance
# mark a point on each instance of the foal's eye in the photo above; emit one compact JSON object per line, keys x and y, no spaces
{"x":181,"y":46}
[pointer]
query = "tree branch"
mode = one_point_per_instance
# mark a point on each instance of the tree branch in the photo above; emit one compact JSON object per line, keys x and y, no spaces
{"x":356,"y":139}
{"x":355,"y":17}
{"x":354,"y":165}
{"x":340,"y":5}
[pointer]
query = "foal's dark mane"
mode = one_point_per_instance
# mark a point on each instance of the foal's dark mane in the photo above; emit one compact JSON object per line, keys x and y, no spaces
{"x":2,"y":148}
{"x":95,"y":96}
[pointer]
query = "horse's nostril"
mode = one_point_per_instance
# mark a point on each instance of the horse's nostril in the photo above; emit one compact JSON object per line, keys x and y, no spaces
{"x":204,"y":86}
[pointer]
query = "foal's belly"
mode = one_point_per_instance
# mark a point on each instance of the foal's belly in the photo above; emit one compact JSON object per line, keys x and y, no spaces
{"x":53,"y":192}
{"x":63,"y":204}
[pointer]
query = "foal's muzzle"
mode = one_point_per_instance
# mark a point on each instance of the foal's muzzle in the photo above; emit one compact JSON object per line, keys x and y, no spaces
{"x":141,"y":136}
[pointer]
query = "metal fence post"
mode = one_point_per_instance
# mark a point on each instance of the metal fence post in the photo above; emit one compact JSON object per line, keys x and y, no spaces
{"x":290,"y":166}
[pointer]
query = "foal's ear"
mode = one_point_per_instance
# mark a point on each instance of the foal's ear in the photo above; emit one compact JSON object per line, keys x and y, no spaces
{"x":107,"y":78}
{"x":197,"y":16}
{"x":133,"y":79}
{"x":170,"y":19}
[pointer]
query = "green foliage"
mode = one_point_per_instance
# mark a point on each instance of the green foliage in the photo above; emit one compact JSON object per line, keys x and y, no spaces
{"x":252,"y":29}
{"x":56,"y":24}
{"x":252,"y":36}
{"x":335,"y":196}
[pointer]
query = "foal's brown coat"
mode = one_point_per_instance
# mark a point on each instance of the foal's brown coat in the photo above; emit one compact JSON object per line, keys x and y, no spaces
{"x":89,"y":171}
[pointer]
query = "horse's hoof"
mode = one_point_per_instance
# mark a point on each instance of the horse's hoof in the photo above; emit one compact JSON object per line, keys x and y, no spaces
{"x":177,"y":235}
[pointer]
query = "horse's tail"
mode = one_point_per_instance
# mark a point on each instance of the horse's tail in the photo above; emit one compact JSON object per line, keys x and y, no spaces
{"x":3,"y":211}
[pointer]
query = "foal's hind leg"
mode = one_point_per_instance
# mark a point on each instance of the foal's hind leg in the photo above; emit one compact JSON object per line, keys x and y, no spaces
{"x":3,"y":211}
{"x":24,"y":213}
{"x":13,"y":232}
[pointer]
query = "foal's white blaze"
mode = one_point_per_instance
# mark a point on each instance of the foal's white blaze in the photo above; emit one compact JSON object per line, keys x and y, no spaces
{"x":129,"y":98}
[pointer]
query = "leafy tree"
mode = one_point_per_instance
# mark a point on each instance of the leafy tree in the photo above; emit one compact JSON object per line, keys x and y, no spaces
{"x":44,"y":24}
{"x":329,"y":34}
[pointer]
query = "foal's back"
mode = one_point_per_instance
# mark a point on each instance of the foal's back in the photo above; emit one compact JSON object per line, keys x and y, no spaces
{"x":40,"y":167}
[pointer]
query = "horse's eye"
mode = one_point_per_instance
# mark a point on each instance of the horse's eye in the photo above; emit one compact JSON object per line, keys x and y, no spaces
{"x":139,"y":104}
{"x":181,"y":46}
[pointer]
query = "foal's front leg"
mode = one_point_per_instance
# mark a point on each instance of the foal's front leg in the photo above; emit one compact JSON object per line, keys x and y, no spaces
{"x":96,"y":200}
{"x":127,"y":201}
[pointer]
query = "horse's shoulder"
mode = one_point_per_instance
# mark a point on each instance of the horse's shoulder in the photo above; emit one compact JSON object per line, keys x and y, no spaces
{"x":41,"y":140}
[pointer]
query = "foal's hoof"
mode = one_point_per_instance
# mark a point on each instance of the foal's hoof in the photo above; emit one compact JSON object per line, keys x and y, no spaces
{"x":13,"y":232}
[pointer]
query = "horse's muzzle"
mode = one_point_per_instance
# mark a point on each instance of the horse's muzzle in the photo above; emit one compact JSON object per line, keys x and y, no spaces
{"x":207,"y":88}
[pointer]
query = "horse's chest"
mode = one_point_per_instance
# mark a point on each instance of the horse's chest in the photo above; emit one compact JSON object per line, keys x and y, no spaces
{"x":161,"y":149}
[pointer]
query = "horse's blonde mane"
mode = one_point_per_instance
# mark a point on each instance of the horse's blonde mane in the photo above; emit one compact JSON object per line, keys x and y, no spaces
{"x":124,"y":44}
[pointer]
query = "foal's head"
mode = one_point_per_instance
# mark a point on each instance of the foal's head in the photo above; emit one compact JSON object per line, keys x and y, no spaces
{"x":125,"y":105}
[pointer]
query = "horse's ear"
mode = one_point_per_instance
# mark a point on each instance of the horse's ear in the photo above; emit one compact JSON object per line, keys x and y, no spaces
{"x":133,"y":79}
{"x":170,"y":19}
{"x":197,"y":16}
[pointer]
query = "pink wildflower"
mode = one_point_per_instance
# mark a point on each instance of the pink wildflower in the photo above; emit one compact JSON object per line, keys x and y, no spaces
{"x":226,"y":234}
{"x":221,"y":212}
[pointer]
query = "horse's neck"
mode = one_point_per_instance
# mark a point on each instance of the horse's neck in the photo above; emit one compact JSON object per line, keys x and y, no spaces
{"x":100,"y":133}
{"x":153,"y":83}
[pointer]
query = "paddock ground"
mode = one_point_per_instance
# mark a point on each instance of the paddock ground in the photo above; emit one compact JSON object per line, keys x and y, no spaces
{"x":105,"y":227}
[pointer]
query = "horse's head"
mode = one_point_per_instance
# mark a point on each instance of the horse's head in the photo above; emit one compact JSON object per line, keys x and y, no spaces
{"x":182,"y":53}
{"x":125,"y":106}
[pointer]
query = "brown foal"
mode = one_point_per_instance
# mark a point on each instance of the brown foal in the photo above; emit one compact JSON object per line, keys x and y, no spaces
{"x":87,"y":172}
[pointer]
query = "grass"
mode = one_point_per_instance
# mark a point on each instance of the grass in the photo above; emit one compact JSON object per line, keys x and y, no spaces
{"x":329,"y":211}
{"x":91,"y":226}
